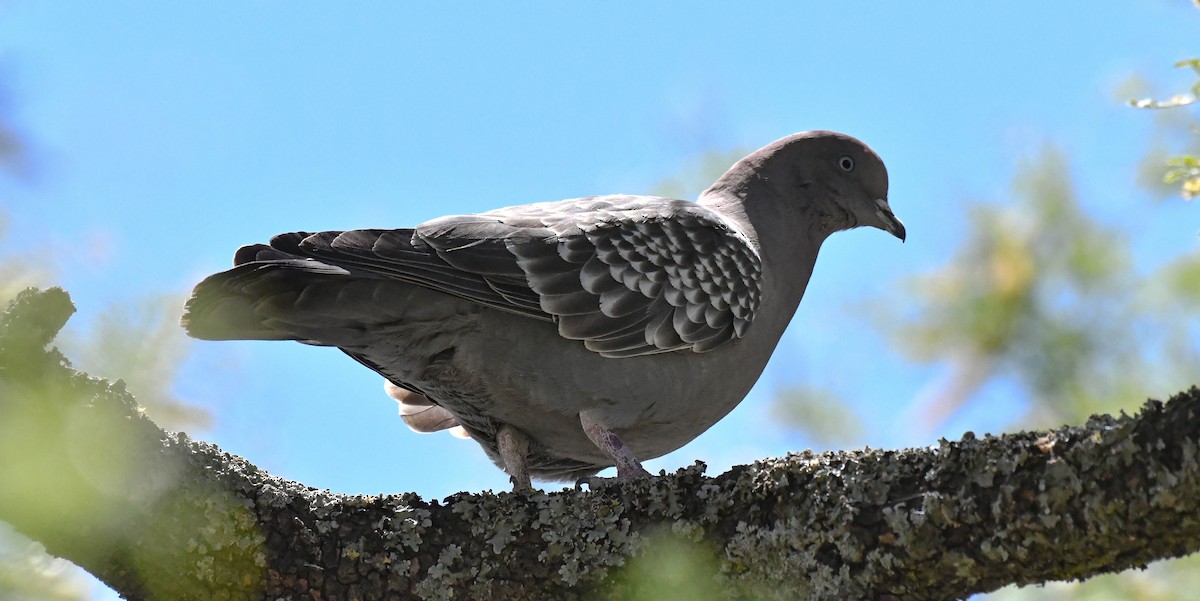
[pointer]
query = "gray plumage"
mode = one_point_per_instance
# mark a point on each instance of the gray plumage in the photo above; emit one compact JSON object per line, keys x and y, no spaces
{"x":646,"y":318}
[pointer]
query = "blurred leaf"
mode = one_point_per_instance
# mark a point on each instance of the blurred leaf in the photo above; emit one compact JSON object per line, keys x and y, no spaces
{"x":28,"y":573}
{"x":14,"y":151}
{"x":18,"y":272}
{"x":1185,"y":171}
{"x":1192,"y":63}
{"x":1176,"y":100}
{"x":821,"y":415}
{"x":669,"y":568}
{"x":1044,"y":297}
{"x":1182,"y":279}
{"x":142,"y":344}
{"x":698,"y":174}
{"x":1175,"y":580}
{"x":1181,"y":171}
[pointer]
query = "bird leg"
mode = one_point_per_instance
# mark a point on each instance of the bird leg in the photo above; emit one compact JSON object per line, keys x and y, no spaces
{"x":513,"y":445}
{"x":628,"y":466}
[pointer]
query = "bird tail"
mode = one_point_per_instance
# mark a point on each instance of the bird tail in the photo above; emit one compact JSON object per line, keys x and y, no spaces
{"x":273,"y":294}
{"x":252,"y":301}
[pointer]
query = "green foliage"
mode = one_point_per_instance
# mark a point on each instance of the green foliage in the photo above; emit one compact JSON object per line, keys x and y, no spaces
{"x":821,"y":414}
{"x":698,"y":173}
{"x":21,"y":271}
{"x":669,"y":568}
{"x":1045,"y":297}
{"x":27,"y":573}
{"x":86,"y":473}
{"x":141,"y":343}
{"x":1162,"y":581}
{"x":1182,"y":170}
{"x":13,"y":153}
{"x":1177,"y":100}
{"x":1185,"y":171}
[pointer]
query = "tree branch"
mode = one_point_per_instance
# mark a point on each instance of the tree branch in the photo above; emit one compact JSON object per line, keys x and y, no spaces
{"x":159,"y":516}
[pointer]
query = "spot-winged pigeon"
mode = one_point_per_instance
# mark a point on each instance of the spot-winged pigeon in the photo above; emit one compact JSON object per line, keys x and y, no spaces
{"x":566,"y":337}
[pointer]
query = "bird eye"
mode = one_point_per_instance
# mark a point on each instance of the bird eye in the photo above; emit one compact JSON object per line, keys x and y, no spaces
{"x":846,"y":163}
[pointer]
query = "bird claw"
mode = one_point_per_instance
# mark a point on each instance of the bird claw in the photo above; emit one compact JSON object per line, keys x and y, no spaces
{"x":514,"y":452}
{"x":593,"y":482}
{"x":628,"y":466}
{"x":631,"y":472}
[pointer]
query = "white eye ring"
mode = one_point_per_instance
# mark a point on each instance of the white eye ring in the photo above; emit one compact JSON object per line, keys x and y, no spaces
{"x":846,"y":163}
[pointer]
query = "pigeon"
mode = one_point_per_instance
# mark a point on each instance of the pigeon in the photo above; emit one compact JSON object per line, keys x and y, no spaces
{"x":571,"y":336}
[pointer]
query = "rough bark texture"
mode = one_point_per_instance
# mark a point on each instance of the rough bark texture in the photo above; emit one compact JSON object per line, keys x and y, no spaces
{"x":159,"y":516}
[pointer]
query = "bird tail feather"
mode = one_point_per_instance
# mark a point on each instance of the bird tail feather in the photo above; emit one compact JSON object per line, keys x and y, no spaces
{"x":253,"y":301}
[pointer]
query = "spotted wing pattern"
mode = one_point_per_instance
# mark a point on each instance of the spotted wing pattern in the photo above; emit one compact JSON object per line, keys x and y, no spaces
{"x":627,"y":275}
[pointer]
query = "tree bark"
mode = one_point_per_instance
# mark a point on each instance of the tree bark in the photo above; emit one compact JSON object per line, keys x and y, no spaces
{"x":159,"y":516}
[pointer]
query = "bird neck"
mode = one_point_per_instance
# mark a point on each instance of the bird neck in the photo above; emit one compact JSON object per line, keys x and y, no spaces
{"x":788,"y":235}
{"x":732,"y":208}
{"x":776,"y":222}
{"x":755,"y":203}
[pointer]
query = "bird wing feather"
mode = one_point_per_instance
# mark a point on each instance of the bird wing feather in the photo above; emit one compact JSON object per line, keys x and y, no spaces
{"x":627,"y":275}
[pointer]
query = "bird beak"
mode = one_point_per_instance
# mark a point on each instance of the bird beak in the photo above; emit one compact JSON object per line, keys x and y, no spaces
{"x":888,"y":219}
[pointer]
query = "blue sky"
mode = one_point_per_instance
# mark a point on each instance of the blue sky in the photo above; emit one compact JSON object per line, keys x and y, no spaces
{"x":166,"y":135}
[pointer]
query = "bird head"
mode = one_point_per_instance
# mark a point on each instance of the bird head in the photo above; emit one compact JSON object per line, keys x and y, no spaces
{"x":846,"y":179}
{"x":835,"y":180}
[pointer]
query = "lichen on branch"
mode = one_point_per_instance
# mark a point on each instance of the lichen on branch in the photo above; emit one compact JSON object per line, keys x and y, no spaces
{"x":159,"y":516}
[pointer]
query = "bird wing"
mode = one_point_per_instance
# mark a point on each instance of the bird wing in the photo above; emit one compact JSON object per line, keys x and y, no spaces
{"x":627,"y":275}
